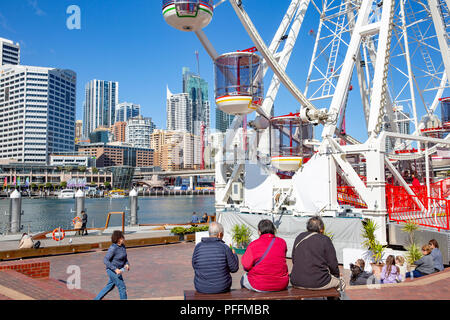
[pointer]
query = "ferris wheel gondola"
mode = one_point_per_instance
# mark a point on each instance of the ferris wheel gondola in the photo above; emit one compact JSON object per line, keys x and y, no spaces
{"x":239,"y":83}
{"x":287,"y":142}
{"x":188,"y":15}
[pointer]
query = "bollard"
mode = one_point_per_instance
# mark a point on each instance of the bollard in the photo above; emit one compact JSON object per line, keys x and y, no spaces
{"x":15,"y":211}
{"x":133,"y":207}
{"x":79,"y":202}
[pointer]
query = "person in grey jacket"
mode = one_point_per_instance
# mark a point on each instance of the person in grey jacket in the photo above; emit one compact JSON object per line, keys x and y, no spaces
{"x":425,"y":265}
{"x":437,"y":255}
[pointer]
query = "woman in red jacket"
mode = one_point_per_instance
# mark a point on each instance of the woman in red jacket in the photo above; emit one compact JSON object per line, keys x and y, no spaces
{"x":265,"y":261}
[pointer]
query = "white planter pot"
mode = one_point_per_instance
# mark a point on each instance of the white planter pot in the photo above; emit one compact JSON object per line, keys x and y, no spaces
{"x":200,"y":235}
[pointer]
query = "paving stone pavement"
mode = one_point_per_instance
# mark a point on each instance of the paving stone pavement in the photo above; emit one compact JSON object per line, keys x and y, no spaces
{"x":165,"y":271}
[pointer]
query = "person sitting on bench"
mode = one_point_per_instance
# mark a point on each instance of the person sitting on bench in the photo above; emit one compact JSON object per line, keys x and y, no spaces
{"x":265,"y":261}
{"x":314,"y":262}
{"x":213,"y":261}
{"x":26,"y":242}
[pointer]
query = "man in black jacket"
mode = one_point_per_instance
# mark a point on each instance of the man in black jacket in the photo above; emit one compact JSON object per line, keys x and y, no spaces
{"x":84,"y":220}
{"x":213,"y":261}
{"x":314,"y":262}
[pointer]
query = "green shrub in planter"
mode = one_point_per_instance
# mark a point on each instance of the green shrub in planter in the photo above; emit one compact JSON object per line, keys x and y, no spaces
{"x":241,"y":235}
{"x":178,"y":230}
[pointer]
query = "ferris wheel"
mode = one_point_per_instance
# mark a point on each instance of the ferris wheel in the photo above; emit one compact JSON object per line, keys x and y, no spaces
{"x":388,"y":58}
{"x":408,"y":38}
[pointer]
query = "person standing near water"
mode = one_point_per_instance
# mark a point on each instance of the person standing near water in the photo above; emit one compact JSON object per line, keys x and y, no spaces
{"x":84,"y":220}
{"x":116,"y":263}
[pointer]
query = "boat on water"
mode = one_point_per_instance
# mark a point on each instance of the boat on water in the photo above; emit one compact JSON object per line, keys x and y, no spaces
{"x":66,"y":194}
{"x":116,"y":194}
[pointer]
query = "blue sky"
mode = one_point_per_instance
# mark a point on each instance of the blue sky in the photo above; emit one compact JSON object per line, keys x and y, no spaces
{"x":129,"y":42}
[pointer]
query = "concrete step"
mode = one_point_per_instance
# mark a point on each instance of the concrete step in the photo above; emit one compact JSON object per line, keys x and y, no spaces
{"x":16,"y":286}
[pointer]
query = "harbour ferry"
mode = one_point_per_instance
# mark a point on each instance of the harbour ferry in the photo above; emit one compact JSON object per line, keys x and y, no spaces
{"x":66,"y":194}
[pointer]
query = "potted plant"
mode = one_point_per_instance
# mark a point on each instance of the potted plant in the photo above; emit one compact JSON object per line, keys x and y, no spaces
{"x":373,"y":246}
{"x":241,"y":235}
{"x":414,"y":253}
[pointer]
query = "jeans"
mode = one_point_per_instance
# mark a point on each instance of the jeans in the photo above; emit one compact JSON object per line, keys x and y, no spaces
{"x":415,"y":274}
{"x":114,"y":280}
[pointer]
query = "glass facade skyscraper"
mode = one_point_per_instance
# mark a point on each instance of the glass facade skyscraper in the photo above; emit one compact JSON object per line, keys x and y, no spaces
{"x":197,"y":88}
{"x":100,"y":104}
{"x":223,"y":120}
{"x":125,"y":111}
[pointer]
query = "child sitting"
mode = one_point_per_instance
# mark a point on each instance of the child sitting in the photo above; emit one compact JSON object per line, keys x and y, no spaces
{"x":359,"y":276}
{"x":390,"y":272}
{"x":400,"y":263}
{"x":425,"y":265}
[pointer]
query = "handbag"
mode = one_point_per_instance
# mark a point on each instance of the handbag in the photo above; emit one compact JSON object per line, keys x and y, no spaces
{"x":265,"y":253}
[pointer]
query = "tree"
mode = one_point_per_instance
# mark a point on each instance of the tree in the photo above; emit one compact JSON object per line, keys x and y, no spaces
{"x":81,"y":168}
{"x":64,"y":184}
{"x":48,"y":185}
{"x":94,"y":170}
{"x":69,"y":168}
{"x":107,"y":185}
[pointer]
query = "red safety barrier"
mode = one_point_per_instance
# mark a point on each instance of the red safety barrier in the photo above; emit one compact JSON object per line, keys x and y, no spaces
{"x":419,"y":208}
{"x":347,"y":196}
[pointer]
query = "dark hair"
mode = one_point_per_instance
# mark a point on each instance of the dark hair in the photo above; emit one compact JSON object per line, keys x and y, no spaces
{"x":315,"y":224}
{"x":266,"y":226}
{"x":116,"y":236}
{"x":24,"y":234}
{"x":356,"y":271}
{"x":434,"y":243}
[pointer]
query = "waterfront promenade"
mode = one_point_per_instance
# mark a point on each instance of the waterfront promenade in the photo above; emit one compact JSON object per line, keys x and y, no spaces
{"x":165,"y":271}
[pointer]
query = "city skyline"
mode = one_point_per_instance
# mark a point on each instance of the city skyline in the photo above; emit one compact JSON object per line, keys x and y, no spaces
{"x":144,"y":57}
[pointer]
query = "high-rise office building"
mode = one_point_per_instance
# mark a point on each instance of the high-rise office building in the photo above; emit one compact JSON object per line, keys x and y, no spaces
{"x":78,"y":130}
{"x":175,"y":150}
{"x":223,"y":120}
{"x":138,"y":131}
{"x":118,"y":130}
{"x":37,"y":112}
{"x":179,"y":116}
{"x":197,"y":88}
{"x":9,"y":52}
{"x":402,"y":120}
{"x":126,"y":111}
{"x":100,"y":104}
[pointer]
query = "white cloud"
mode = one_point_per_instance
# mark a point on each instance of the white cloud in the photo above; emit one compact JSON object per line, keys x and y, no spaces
{"x":38,"y":11}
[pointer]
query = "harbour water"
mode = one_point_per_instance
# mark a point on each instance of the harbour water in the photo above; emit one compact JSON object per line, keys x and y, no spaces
{"x":47,"y":214}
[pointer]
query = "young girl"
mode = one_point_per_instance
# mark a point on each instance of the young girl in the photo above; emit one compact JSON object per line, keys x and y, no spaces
{"x":400,"y":263}
{"x":390,"y":272}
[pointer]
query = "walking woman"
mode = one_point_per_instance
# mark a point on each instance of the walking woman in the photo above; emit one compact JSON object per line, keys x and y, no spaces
{"x":116,"y":262}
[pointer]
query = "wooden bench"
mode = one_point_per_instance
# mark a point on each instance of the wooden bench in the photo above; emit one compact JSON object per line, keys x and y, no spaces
{"x":243,"y":294}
